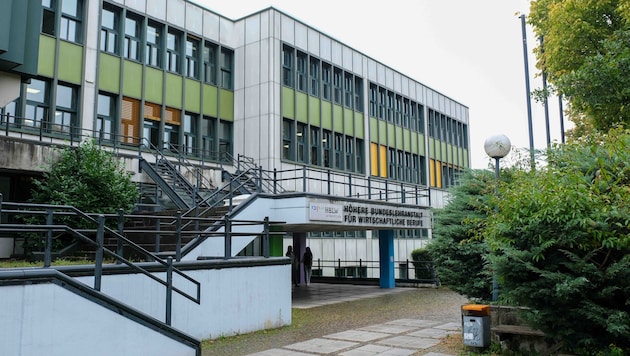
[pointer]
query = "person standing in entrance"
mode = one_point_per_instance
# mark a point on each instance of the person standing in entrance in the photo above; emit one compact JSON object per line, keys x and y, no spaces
{"x":307,"y":259}
{"x":295,"y":266}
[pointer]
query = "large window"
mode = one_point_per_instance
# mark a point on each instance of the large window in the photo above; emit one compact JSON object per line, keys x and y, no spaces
{"x":314,"y":76}
{"x":71,"y":20}
{"x":9,"y":113}
{"x":349,"y":152}
{"x":192,"y":57}
{"x":154,"y":45}
{"x":37,"y":104}
{"x":225,"y":140}
{"x":302,"y":143}
{"x":301,"y":71}
{"x":287,"y":139}
{"x":130,"y":121}
{"x":210,"y":63}
{"x":48,"y":17}
{"x":172,"y":122}
{"x":358,"y":94}
{"x":227,"y":57}
{"x":326,"y":81}
{"x":326,"y":144}
{"x":109,"y":29}
{"x":337,"y":86}
{"x":106,"y":117}
{"x":65,"y":120}
{"x":373,"y":109}
{"x":132,"y":37}
{"x":151,"y":126}
{"x":315,"y":142}
{"x":208,"y":137}
{"x":359,"y":157}
{"x":347,"y":90}
{"x":338,"y":147}
{"x":190,"y":134}
{"x":173,"y":50}
{"x":287,"y":66}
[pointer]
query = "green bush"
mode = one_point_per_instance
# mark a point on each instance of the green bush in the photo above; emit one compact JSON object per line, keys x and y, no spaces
{"x":423,"y":264}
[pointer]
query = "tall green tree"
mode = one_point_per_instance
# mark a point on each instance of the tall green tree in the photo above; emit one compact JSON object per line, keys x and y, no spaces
{"x":458,"y":249}
{"x":586,"y":55}
{"x":88,"y":178}
{"x":560,"y":243}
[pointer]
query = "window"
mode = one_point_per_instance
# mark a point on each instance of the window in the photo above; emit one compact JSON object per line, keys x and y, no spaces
{"x":347,"y":89}
{"x":390,"y":106}
{"x":359,"y":157}
{"x":349,"y":153}
{"x":337,"y":78}
{"x":302,"y":143}
{"x":392,"y":163}
{"x":9,"y":113}
{"x":415,"y":169}
{"x":132,"y":37}
{"x":326,"y":142}
{"x":382,"y":103}
{"x":208,"y":137}
{"x":66,"y":110}
{"x":190,"y":134}
{"x":173,"y":50}
{"x":192,"y":58}
{"x":226,"y":68}
{"x":314,"y":76}
{"x":36,"y":110}
{"x":398,"y":114}
{"x":130,"y":121}
{"x":210,"y":63}
{"x":151,"y":126}
{"x":48,"y":17}
{"x":326,"y":78}
{"x":109,"y":29}
{"x":225,"y":140}
{"x":406,"y":113}
{"x":373,"y":100}
{"x":413,"y":117}
{"x":105,"y":117}
{"x":154,"y":45}
{"x":301,"y":71}
{"x":338,"y":151}
{"x":287,"y":139}
{"x":358,"y":94}
{"x":71,"y":24}
{"x":315,"y":146}
{"x":170,"y":137}
{"x":287,"y":66}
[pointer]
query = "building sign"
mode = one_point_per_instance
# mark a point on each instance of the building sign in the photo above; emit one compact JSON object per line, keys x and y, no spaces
{"x":371,"y":215}
{"x":325,"y":212}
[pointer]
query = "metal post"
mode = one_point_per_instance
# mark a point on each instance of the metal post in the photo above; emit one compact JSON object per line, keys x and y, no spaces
{"x":495,"y":283}
{"x":98,"y":266}
{"x":169,"y":289}
{"x":119,"y":242}
{"x":260,"y":175}
{"x":265,"y":243}
{"x":158,"y":237}
{"x":402,"y":192}
{"x":227,"y":253}
{"x":328,"y":181}
{"x":369,"y":188}
{"x":48,"y":248}
{"x":304,"y":179}
{"x":275,"y":180}
{"x":350,"y":184}
{"x":178,"y":242}
{"x":546,"y":101}
{"x":0,"y":208}
{"x":527,"y":90}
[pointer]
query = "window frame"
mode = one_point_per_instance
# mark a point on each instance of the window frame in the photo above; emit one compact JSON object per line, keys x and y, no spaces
{"x":132,"y":41}
{"x":153,"y":49}
{"x":192,"y":57}
{"x":110,"y":36}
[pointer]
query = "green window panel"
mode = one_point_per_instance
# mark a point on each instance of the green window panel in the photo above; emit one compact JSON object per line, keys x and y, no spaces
{"x":288,"y":103}
{"x":414,"y":143}
{"x":421,"y":147}
{"x":391,"y":135}
{"x":406,"y":140}
{"x":210,"y":100}
{"x":465,"y":153}
{"x":431,"y":148}
{"x":301,"y":107}
{"x":327,"y":117}
{"x":443,"y":155}
{"x":226,"y":98}
{"x":399,"y":137}
{"x":314,"y":111}
{"x":109,"y":73}
{"x":449,"y":154}
{"x":348,"y":122}
{"x":153,"y":84}
{"x":193,"y":95}
{"x":382,"y":132}
{"x":374,"y":130}
{"x":174,"y":88}
{"x":46,"y":60}
{"x":70,"y":62}
{"x":359,"y":125}
{"x":337,"y":118}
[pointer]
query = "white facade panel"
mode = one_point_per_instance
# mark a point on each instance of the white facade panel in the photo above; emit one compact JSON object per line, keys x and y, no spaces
{"x":389,"y":78}
{"x":265,"y":24}
{"x":404,"y":86}
{"x":176,"y":12}
{"x":251,"y":104}
{"x":372,"y":70}
{"x":252,"y":29}
{"x":337,"y":54}
{"x":357,"y":63}
{"x":301,"y":36}
{"x":267,"y":65}
{"x":381,"y":75}
{"x":397,"y":87}
{"x":138,"y":5}
{"x":194,"y":19}
{"x":231,"y":34}
{"x":157,"y":9}
{"x":347,"y":58}
{"x":239,"y":75}
{"x":211,"y":26}
{"x":287,"y":26}
{"x":313,"y":42}
{"x":325,"y":48}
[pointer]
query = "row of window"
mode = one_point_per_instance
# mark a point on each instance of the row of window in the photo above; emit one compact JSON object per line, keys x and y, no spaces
{"x":47,"y":108}
{"x":446,"y":129}
{"x":312,"y":145}
{"x":321,"y":79}
{"x":389,"y":106}
{"x":63,"y":18}
{"x":406,"y":167}
{"x":163,"y":128}
{"x":401,"y":234}
{"x":158,"y":45}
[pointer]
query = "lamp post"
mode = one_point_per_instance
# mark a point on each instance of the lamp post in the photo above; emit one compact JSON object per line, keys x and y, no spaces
{"x":497,"y":147}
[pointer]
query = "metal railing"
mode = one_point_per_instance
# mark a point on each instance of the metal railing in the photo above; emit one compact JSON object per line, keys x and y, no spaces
{"x":408,"y":271}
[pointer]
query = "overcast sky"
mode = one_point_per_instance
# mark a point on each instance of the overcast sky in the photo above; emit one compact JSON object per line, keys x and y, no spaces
{"x":471,"y":51}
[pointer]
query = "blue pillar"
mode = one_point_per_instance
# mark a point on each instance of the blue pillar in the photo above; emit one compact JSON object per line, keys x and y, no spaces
{"x":386,"y":258}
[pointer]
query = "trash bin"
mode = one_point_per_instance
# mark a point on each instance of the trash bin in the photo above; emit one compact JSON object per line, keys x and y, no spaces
{"x":476,"y":325}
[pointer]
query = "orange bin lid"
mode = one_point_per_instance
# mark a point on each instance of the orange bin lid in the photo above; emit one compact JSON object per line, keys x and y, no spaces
{"x":479,"y":308}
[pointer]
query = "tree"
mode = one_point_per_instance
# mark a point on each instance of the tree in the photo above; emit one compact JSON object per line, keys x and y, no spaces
{"x":88,"y":178}
{"x":586,"y":56}
{"x":560,"y":243}
{"x":457,"y":248}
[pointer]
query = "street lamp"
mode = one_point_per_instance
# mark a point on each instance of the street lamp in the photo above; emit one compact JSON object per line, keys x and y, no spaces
{"x":497,"y":147}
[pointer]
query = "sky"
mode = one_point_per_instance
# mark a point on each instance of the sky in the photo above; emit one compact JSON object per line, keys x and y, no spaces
{"x":470,"y":51}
